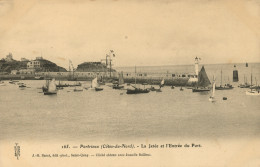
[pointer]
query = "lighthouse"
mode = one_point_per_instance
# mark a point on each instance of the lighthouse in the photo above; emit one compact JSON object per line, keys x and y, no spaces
{"x":194,"y":78}
{"x":197,"y":66}
{"x":235,"y":74}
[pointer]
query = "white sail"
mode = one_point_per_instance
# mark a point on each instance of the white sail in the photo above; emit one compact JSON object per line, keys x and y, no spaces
{"x":213,"y":89}
{"x":121,"y":79}
{"x":94,"y":83}
{"x":52,"y":86}
{"x":162,"y":82}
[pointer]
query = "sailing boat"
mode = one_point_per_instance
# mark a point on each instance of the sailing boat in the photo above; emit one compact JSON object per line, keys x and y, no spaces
{"x":45,"y":87}
{"x":245,"y":85}
{"x":203,"y":82}
{"x":159,"y":89}
{"x":120,"y":82}
{"x":225,"y":87}
{"x":162,"y":83}
{"x":212,"y":97}
{"x":252,"y":91}
{"x":256,"y":85}
{"x":51,"y":88}
{"x":95,"y":85}
{"x":137,"y":90}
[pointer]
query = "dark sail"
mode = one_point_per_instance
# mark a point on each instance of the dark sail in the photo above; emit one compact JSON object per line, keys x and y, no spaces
{"x":203,"y":80}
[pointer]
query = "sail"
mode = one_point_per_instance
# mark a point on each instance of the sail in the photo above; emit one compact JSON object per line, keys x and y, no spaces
{"x":94,"y":83}
{"x":203,"y":80}
{"x":213,"y":89}
{"x":162,"y":82}
{"x":52,"y":86}
{"x":121,"y":79}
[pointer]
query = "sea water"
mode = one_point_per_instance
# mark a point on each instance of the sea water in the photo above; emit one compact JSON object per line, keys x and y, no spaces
{"x":112,"y":114}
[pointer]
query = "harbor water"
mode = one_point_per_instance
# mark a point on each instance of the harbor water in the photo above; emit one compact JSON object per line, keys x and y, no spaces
{"x":112,"y":114}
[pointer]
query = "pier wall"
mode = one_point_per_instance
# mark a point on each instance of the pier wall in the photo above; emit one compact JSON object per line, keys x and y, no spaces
{"x":129,"y":77}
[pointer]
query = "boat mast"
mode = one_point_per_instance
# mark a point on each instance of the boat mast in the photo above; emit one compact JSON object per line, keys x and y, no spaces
{"x":135,"y":76}
{"x":221,"y":78}
{"x":251,"y":79}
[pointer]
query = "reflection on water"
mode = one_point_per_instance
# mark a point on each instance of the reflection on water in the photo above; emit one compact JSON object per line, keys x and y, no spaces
{"x":111,"y":114}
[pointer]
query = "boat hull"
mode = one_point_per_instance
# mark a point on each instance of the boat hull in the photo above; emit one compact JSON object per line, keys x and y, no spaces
{"x":118,"y":87}
{"x":253,"y":93}
{"x":50,"y":93}
{"x":98,"y":89}
{"x":224,"y":88}
{"x":78,"y":90}
{"x":200,"y":90}
{"x":137,"y":91}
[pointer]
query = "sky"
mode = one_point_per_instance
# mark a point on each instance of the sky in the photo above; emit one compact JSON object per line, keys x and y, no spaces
{"x":142,"y":33}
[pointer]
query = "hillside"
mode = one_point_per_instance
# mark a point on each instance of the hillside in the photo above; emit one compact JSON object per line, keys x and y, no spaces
{"x":8,"y":66}
{"x":93,"y":67}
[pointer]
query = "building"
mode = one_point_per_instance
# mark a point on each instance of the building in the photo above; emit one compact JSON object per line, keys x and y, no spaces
{"x":39,"y":58}
{"x":27,"y":71}
{"x":14,"y":72}
{"x":43,"y":65}
{"x":34,"y":64}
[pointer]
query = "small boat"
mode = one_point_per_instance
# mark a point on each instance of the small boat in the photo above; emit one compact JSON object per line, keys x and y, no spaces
{"x":253,"y":92}
{"x":52,"y":90}
{"x":78,"y":89}
{"x":137,"y":91}
{"x":119,"y":84}
{"x":203,"y":82}
{"x":152,"y":88}
{"x":2,"y":83}
{"x":11,"y":82}
{"x":22,"y":86}
{"x":245,"y":85}
{"x":224,"y":87}
{"x":212,"y":97}
{"x":98,"y":89}
{"x":95,"y":85}
{"x":60,"y":85}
